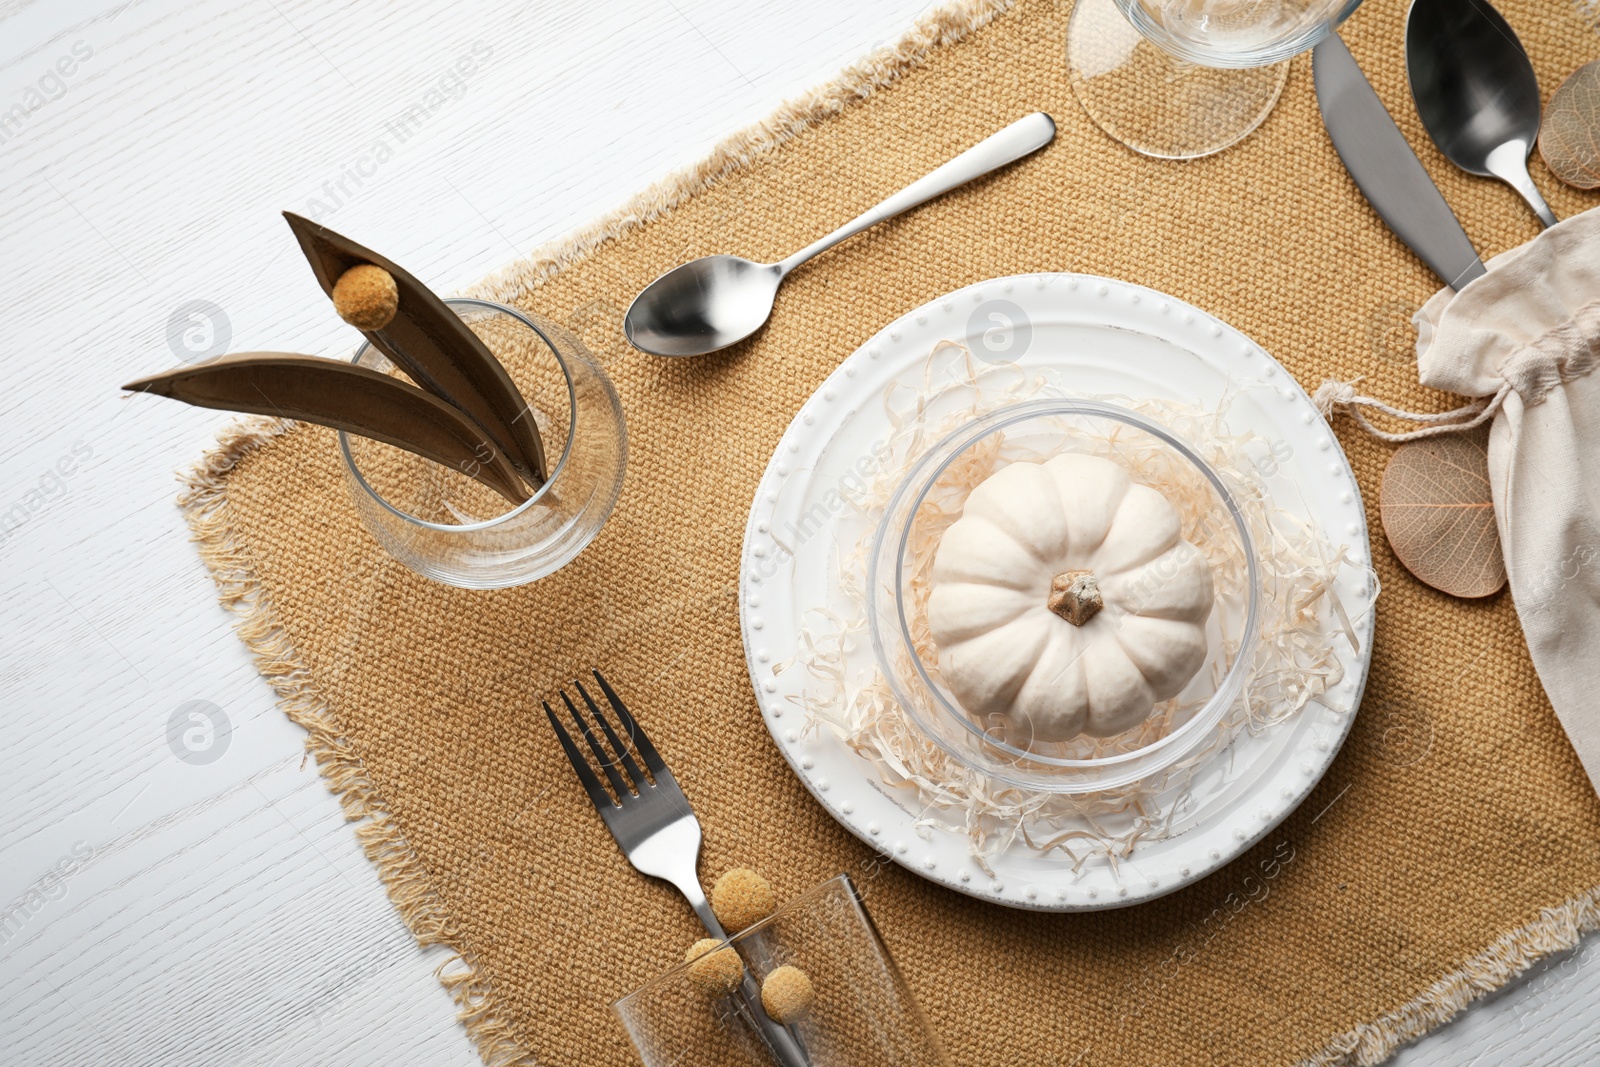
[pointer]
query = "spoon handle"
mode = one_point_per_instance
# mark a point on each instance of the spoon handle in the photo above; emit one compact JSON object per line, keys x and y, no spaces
{"x":1028,"y":134}
{"x":1535,"y":201}
{"x":1509,"y":163}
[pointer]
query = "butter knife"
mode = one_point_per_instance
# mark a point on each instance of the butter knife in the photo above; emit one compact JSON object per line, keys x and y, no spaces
{"x":1386,"y":170}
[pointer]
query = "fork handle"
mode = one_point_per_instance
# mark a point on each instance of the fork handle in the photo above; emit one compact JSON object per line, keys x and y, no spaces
{"x":780,"y":1041}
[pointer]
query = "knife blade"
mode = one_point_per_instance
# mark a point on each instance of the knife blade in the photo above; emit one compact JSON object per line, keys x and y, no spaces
{"x":1385,"y":168}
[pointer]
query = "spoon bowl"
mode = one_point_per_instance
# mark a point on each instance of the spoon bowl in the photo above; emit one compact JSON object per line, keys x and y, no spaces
{"x":1475,"y":91}
{"x":716,"y":301}
{"x":704,"y":305}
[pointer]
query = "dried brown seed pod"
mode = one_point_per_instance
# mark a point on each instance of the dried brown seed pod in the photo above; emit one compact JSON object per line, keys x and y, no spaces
{"x":435,"y":348}
{"x":355,"y":399}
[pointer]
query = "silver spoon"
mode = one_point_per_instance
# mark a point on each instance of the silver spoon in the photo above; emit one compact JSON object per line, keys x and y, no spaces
{"x":1476,"y":91}
{"x":710,"y":303}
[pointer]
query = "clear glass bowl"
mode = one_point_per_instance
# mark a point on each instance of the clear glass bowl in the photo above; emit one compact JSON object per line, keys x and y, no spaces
{"x":864,"y":1013}
{"x":930,"y":498}
{"x":455,"y":530}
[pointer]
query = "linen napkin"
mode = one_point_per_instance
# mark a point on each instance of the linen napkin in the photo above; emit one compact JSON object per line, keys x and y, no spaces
{"x":1525,"y":340}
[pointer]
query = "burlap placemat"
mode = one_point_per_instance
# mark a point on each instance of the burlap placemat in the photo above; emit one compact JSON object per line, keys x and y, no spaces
{"x":1453,"y":842}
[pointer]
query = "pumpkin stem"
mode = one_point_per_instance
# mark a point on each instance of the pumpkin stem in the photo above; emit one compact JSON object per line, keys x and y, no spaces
{"x":1075,"y":596}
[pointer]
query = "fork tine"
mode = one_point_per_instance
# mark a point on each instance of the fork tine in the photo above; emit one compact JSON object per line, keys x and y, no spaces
{"x":591,"y":784}
{"x":611,"y":735}
{"x":652,"y":759}
{"x":608,"y":762}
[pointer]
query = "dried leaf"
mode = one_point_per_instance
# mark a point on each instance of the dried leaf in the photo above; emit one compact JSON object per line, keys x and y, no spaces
{"x":1569,"y":141}
{"x":435,"y":348}
{"x":1438,"y":514}
{"x":346,"y":397}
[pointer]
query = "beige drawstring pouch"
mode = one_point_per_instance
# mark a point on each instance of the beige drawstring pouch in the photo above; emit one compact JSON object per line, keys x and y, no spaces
{"x":1524,"y":340}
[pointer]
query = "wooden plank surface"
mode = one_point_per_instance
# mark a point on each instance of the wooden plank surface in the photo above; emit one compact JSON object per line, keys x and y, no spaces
{"x":172,"y":903}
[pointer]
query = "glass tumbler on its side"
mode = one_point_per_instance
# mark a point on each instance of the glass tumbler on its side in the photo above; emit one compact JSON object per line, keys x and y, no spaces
{"x":448,"y":527}
{"x":863,"y":1012}
{"x":1179,"y":79}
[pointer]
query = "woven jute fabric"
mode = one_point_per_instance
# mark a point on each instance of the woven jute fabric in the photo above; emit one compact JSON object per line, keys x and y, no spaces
{"x":1454,"y":841}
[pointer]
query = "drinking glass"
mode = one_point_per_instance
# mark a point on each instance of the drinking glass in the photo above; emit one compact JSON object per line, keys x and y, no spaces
{"x":449,"y":527}
{"x":1179,"y":79}
{"x":863,"y":1011}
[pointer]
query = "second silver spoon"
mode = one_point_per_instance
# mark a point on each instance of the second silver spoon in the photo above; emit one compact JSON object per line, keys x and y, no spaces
{"x":1476,"y":91}
{"x":712,"y":302}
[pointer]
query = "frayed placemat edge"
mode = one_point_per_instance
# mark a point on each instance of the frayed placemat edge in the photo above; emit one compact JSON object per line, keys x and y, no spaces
{"x":204,"y":501}
{"x":1557,"y":930}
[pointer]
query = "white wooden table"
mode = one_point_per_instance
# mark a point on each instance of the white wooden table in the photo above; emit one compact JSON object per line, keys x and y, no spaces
{"x":160,"y":910}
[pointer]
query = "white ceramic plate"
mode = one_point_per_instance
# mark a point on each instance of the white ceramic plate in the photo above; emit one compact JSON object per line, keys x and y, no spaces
{"x":1102,"y":337}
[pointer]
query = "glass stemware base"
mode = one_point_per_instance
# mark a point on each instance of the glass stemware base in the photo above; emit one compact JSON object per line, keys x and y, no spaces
{"x":1155,"y":103}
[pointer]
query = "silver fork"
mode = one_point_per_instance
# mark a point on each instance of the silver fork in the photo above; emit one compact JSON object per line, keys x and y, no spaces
{"x":656,"y":829}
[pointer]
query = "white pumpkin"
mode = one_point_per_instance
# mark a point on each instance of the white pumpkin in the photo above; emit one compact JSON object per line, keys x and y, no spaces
{"x":1066,"y":601}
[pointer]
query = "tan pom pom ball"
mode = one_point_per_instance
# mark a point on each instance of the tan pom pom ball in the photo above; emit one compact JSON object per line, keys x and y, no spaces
{"x":787,"y":994}
{"x":366,"y":297}
{"x":741,"y":898}
{"x":713,"y":970}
